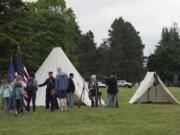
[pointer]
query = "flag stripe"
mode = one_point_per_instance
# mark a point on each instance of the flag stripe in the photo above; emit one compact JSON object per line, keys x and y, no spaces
{"x":21,"y":70}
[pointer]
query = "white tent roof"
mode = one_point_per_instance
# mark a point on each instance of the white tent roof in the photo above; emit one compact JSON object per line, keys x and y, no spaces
{"x":57,"y":58}
{"x":148,"y":92}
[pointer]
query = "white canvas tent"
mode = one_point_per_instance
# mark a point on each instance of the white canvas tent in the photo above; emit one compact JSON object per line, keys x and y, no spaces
{"x":152,"y":90}
{"x":57,"y":58}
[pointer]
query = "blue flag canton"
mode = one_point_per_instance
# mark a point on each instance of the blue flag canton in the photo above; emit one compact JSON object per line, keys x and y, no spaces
{"x":11,"y":73}
{"x":20,"y":65}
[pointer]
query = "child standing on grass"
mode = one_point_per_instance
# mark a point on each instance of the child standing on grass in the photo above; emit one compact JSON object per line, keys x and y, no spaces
{"x":18,"y":90}
{"x":6,"y":92}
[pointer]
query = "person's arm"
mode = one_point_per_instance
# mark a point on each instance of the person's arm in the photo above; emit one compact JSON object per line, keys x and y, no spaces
{"x":10,"y":89}
{"x":43,"y":84}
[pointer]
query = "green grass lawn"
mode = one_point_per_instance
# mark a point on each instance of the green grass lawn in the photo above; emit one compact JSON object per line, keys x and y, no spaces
{"x":141,"y":119}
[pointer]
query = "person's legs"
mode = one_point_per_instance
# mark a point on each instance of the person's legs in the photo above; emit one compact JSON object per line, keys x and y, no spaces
{"x":114,"y":100}
{"x":21,"y":104}
{"x":61,"y":104}
{"x":72,"y":101}
{"x":64,"y":100}
{"x":5,"y":105}
{"x":13,"y":102}
{"x":68,"y":99}
{"x":108,"y":100}
{"x":17,"y":106}
{"x":99,"y":101}
{"x":56,"y":103}
{"x":117,"y":102}
{"x":52,"y":104}
{"x":8,"y":104}
{"x":47,"y":100}
{"x":64,"y":104}
{"x":93,"y":101}
{"x":2,"y":103}
{"x":34,"y":101}
{"x":96,"y":101}
{"x":29,"y":101}
{"x":61,"y":101}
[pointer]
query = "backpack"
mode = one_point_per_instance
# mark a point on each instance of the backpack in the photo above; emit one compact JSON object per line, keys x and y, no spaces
{"x":31,"y":86}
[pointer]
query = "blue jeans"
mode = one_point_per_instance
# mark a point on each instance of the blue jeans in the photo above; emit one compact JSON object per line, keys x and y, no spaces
{"x":6,"y":104}
{"x":70,"y":99}
{"x":111,"y":100}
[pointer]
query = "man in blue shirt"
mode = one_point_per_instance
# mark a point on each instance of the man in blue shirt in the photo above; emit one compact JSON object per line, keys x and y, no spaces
{"x":61,"y":85}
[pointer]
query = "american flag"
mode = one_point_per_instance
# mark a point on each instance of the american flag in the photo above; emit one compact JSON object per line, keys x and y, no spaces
{"x":21,"y":70}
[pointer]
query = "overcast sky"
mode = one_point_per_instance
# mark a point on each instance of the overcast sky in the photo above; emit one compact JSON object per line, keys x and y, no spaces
{"x":147,"y":16}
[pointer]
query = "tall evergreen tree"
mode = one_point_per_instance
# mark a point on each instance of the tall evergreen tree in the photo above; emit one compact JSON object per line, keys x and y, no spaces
{"x":166,"y":59}
{"x":102,"y":60}
{"x":86,"y":51}
{"x":126,"y":51}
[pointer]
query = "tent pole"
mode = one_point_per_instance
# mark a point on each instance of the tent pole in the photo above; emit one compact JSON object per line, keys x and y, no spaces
{"x":156,"y":92}
{"x":148,"y":95}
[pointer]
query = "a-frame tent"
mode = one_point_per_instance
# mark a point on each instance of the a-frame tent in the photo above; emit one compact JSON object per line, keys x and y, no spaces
{"x":153,"y":90}
{"x":57,"y":58}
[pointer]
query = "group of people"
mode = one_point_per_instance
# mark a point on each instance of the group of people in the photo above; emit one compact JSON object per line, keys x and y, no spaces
{"x":62,"y":87}
{"x":16,"y":89}
{"x":112,"y":92}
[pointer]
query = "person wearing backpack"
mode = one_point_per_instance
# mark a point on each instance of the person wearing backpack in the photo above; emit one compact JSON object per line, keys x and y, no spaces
{"x":32,"y":87}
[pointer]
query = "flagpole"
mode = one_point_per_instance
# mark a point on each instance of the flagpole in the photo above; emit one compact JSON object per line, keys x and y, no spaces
{"x":11,"y":59}
{"x":18,"y":50}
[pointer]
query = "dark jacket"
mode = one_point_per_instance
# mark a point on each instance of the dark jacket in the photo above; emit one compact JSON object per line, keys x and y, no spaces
{"x":71,"y":87}
{"x":93,"y":88}
{"x":112,"y":86}
{"x":50,"y":82}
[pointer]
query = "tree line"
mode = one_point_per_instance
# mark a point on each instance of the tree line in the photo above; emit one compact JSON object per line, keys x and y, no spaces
{"x":166,"y":58}
{"x":39,"y":26}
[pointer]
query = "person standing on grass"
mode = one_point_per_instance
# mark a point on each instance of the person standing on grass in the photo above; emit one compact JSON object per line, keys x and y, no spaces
{"x":18,"y":90}
{"x":6,"y":91}
{"x":50,"y":82}
{"x":61,"y":85}
{"x":32,"y":87}
{"x":112,"y":92}
{"x":71,"y":90}
{"x":93,"y":91}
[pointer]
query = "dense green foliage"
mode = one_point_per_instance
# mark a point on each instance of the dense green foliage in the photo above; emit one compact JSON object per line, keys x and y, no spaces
{"x":166,"y":59}
{"x":39,"y":26}
{"x":36,"y":28}
{"x":142,"y":119}
{"x":126,"y":51}
{"x":86,"y":52}
{"x":121,"y":53}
